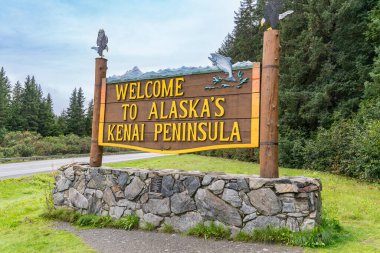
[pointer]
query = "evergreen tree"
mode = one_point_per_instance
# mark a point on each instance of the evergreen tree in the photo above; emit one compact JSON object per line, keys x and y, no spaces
{"x":245,"y":42}
{"x":75,"y":118}
{"x":88,"y":118}
{"x":31,"y":101}
{"x":61,"y":123}
{"x":16,"y":120}
{"x":46,"y":126}
{"x":5,"y":89}
{"x":325,"y":62}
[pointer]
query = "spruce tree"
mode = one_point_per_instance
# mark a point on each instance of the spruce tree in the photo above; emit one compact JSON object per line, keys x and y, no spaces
{"x":31,"y":101}
{"x":46,"y":126}
{"x":16,"y":120}
{"x":75,"y":118}
{"x":88,"y":118}
{"x":5,"y":89}
{"x":61,"y":123}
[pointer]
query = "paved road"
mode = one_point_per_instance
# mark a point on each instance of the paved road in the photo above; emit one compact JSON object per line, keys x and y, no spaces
{"x":10,"y":170}
{"x":138,"y":241}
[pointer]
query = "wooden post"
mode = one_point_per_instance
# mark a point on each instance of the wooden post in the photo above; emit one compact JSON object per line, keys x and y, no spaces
{"x":269,"y":105}
{"x":96,"y":153}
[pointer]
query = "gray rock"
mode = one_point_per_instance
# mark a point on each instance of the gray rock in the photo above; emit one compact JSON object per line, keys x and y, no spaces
{"x":69,"y":174}
{"x":296,"y":215}
{"x":80,"y":184}
{"x":242,"y":185}
{"x":192,"y":184}
{"x":247,"y":209}
{"x":89,"y":192}
{"x":62,"y":184}
{"x":178,"y":187}
{"x":77,"y":199}
{"x":256,"y":183}
{"x":285,"y":188}
{"x":212,"y":207}
{"x":122,"y":179}
{"x":288,"y":206}
{"x":110,"y":180}
{"x":97,"y":181}
{"x":108,"y":197}
{"x":265,"y":200}
{"x":234,"y":231}
{"x":99,"y":194}
{"x":262,"y":222}
{"x":206,"y":180}
{"x":292,"y":224}
{"x":184,"y":222}
{"x":238,"y":185}
{"x":181,"y":203}
{"x":94,"y":205}
{"x":308,"y":224}
{"x":134,"y":188}
{"x":58,"y":198}
{"x":167,"y":186}
{"x":144,"y":198}
{"x":117,"y":211}
{"x":217,"y":187}
{"x":233,"y":186}
{"x":302,"y":205}
{"x":232,"y":197}
{"x":140,"y":214}
{"x":119,"y":195}
{"x":143,"y":175}
{"x":312,"y":201}
{"x":250,"y":217}
{"x":128,"y":204}
{"x":152,"y":219}
{"x":158,"y":206}
{"x":128,"y":212}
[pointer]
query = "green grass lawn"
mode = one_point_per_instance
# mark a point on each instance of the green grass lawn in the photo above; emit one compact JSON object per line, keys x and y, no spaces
{"x":354,"y":203}
{"x":22,"y":229}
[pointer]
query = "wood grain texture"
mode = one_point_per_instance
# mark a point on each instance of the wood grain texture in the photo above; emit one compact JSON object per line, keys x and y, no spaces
{"x":96,"y":152}
{"x":269,"y":105}
{"x":241,"y":109}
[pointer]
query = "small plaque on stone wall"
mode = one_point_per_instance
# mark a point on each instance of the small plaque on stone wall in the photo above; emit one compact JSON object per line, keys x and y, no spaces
{"x":156,"y":185}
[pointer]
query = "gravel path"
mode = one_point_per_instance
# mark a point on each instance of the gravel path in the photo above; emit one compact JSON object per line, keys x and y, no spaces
{"x":137,"y":241}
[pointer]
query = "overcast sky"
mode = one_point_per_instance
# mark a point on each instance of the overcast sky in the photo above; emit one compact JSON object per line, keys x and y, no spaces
{"x":51,"y":39}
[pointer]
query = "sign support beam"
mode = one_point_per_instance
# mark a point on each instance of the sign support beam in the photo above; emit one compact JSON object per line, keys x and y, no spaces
{"x":269,"y":105}
{"x":96,"y":153}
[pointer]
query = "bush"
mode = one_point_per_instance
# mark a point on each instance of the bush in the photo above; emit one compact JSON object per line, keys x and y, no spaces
{"x":128,"y":222}
{"x":347,"y":148}
{"x":212,"y":231}
{"x":241,"y":154}
{"x":328,"y":233}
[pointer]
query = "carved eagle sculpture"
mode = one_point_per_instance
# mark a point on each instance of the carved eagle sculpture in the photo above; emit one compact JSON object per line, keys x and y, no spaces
{"x":272,"y":13}
{"x":101,"y":43}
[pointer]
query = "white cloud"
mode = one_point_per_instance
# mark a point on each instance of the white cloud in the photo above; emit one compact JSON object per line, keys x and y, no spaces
{"x":51,"y":39}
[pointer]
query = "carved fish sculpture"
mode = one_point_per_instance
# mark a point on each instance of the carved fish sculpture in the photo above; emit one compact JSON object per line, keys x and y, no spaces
{"x":224,"y":64}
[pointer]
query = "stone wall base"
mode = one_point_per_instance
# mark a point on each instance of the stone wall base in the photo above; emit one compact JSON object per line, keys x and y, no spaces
{"x":183,"y":199}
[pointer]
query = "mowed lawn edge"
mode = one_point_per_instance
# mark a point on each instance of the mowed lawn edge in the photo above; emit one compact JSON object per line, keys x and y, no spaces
{"x":22,"y":229}
{"x":354,"y":203}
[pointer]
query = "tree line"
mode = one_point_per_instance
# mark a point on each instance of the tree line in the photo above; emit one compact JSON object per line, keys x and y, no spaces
{"x":329,"y":85}
{"x":23,"y":107}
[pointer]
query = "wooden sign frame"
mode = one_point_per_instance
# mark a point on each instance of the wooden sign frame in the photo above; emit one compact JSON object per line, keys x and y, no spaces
{"x":254,"y":128}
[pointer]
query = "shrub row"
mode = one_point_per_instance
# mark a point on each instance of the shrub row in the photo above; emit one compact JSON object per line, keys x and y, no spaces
{"x":25,"y":144}
{"x":349,"y":147}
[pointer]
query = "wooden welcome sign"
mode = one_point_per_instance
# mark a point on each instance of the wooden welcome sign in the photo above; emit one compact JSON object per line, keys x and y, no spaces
{"x":186,"y":110}
{"x":190,"y":109}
